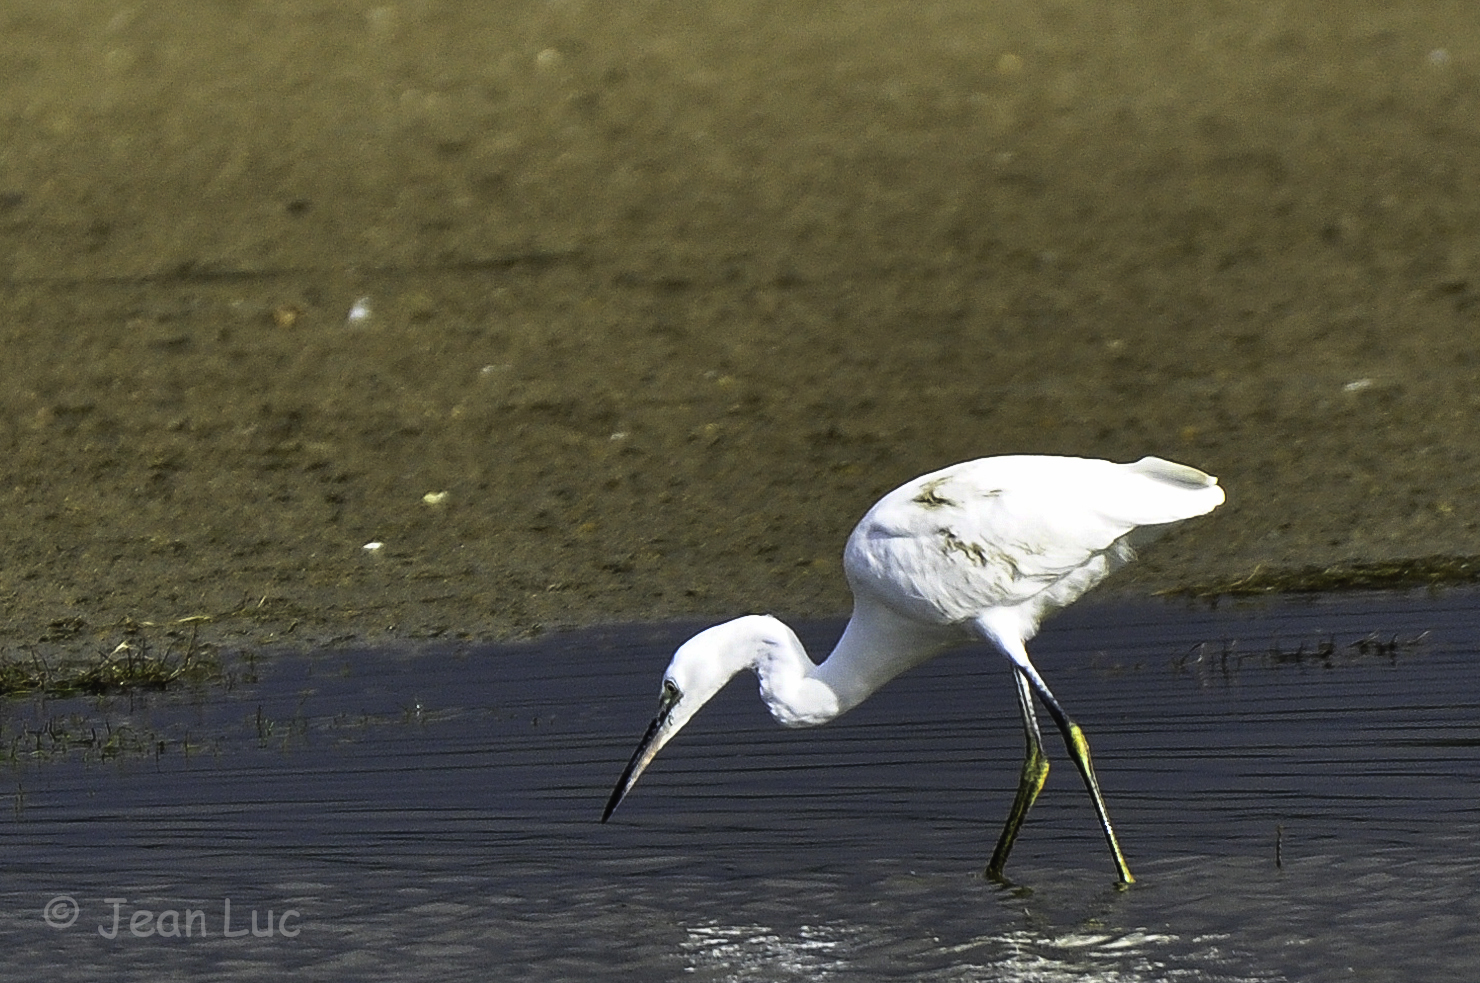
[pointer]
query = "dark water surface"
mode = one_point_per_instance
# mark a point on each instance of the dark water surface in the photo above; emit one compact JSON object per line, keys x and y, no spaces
{"x":434,"y":815}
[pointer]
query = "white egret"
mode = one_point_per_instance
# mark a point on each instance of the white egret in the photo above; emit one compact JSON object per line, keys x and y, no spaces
{"x":979,"y":551}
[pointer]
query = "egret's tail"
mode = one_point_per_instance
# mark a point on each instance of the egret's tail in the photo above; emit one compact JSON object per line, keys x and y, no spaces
{"x":1173,"y":492}
{"x":1171,"y":471}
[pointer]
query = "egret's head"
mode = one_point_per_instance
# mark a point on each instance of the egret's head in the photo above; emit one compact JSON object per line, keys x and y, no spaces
{"x":700,"y":669}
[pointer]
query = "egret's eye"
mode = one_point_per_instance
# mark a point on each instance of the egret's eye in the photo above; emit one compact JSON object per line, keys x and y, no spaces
{"x":670,"y":691}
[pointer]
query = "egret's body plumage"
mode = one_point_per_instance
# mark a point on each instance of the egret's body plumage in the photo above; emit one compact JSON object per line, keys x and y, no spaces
{"x":982,"y":550}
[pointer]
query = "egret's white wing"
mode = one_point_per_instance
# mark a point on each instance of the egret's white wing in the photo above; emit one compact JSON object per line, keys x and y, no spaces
{"x":1011,"y":531}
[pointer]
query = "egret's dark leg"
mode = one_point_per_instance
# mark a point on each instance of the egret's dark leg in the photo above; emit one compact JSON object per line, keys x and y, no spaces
{"x":1035,"y":773}
{"x":1079,"y":749}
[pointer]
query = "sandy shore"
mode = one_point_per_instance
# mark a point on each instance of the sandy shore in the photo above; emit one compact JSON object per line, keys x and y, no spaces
{"x":658,"y":297}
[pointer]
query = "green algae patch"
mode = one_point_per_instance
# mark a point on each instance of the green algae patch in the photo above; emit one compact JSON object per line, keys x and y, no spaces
{"x":1428,"y":571}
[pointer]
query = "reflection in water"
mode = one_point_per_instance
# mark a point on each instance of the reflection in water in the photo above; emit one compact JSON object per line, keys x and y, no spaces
{"x":754,"y":952}
{"x":746,"y":953}
{"x":433,"y":815}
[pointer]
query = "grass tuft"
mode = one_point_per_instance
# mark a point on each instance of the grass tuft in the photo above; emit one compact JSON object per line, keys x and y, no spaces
{"x":129,"y":666}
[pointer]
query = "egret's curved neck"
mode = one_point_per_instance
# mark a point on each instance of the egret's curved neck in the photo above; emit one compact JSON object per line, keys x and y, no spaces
{"x":876,"y":646}
{"x":789,"y":683}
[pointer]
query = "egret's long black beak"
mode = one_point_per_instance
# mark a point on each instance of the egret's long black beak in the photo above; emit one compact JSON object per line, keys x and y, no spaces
{"x":657,"y":735}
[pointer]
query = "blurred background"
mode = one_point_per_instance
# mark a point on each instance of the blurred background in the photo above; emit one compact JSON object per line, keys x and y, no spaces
{"x":616,"y":312}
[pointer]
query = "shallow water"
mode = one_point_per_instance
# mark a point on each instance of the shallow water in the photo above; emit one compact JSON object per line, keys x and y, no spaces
{"x":434,"y":815}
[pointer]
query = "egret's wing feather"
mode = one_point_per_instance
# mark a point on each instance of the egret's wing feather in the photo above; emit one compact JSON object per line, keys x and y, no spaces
{"x":1003,"y":532}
